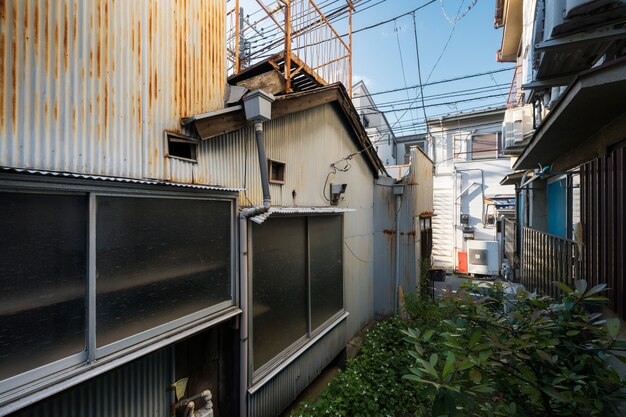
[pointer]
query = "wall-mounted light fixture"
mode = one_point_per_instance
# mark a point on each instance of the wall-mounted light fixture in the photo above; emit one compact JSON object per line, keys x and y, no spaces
{"x":335,"y":192}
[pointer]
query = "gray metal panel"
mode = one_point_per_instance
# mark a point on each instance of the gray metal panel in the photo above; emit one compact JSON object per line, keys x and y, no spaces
{"x":274,"y":396}
{"x":89,"y":86}
{"x":308,"y":142}
{"x":417,"y":199}
{"x":135,"y":390}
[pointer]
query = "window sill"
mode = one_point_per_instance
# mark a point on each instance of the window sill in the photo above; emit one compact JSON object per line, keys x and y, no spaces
{"x":47,"y":386}
{"x":283,"y":360}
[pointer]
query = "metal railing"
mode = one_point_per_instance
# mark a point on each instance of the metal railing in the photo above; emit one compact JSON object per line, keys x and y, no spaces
{"x":516,"y":95}
{"x":546,"y":258}
{"x":300,"y":32}
{"x":510,"y":241}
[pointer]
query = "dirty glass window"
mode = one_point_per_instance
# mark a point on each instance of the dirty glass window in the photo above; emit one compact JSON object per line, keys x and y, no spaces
{"x":279,"y":289}
{"x":485,"y":146}
{"x":157,"y":260}
{"x":43,"y":270}
{"x":326,"y":240}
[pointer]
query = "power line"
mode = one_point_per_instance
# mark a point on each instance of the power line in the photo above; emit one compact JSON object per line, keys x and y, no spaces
{"x":459,"y":78}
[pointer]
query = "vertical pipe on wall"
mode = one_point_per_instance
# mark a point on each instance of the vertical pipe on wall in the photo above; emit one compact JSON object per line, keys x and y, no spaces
{"x":243,"y":268}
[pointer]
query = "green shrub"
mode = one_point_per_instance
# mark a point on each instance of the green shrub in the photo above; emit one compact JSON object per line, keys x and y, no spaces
{"x":539,"y":358}
{"x":372,"y":384}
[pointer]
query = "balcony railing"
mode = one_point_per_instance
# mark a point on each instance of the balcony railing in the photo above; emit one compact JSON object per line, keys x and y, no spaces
{"x":546,"y":258}
{"x":516,"y":95}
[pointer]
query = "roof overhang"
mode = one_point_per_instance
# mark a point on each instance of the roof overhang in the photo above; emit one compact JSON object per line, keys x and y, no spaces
{"x":512,"y":30}
{"x":513,"y":178}
{"x":209,"y":125}
{"x":595,"y":99}
{"x":298,"y":210}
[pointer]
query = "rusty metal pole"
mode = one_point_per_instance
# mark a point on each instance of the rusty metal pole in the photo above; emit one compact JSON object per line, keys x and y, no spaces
{"x":287,"y":45}
{"x":350,"y":8}
{"x":238,"y":28}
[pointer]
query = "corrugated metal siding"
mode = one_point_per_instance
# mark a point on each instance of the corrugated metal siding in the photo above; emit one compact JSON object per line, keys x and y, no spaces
{"x":443,"y":224}
{"x":308,"y":142}
{"x":89,"y":87}
{"x":417,"y":198}
{"x":603,"y":217}
{"x":135,"y":390}
{"x":273,"y":397}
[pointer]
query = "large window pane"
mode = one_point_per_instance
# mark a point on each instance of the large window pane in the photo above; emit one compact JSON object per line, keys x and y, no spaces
{"x":279,"y":286}
{"x":326,"y":268}
{"x":158,"y":260}
{"x":43,"y":264}
{"x":485,"y":146}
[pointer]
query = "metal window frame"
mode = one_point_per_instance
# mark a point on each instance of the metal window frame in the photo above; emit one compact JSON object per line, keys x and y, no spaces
{"x":279,"y":362}
{"x":496,"y":152}
{"x":180,"y":138}
{"x":53,"y":377}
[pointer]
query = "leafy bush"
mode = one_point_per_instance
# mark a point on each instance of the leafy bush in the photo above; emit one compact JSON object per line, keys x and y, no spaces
{"x":524,"y":356}
{"x":372,"y":384}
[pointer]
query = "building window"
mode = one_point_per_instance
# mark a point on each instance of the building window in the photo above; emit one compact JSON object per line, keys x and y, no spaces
{"x":365,"y":120}
{"x":297,"y":263}
{"x":181,"y":147}
{"x":276,"y":171}
{"x":484,"y":146}
{"x":162,"y":260}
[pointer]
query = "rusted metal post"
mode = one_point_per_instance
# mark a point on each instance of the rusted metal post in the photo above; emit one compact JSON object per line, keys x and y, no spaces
{"x":287,"y":45}
{"x":350,"y":8}
{"x":238,"y":28}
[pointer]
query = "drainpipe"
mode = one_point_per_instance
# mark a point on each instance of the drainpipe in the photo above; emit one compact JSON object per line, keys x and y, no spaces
{"x":398,"y":190}
{"x":257,"y":107}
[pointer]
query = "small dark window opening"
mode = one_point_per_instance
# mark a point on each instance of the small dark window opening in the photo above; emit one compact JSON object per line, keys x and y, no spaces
{"x":366,"y":121}
{"x":180,"y":146}
{"x":276,"y":171}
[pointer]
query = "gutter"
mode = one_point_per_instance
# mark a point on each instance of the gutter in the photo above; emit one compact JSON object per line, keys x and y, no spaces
{"x":243,"y":267}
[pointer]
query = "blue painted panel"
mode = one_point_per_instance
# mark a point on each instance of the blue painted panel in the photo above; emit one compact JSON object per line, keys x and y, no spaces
{"x":557,"y":208}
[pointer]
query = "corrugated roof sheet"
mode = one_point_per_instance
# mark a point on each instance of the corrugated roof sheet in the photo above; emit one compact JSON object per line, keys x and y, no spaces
{"x":299,"y":210}
{"x":115,"y":179}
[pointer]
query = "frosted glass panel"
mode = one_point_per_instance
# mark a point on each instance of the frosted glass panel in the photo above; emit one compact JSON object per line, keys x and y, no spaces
{"x":326,"y":268}
{"x":43,"y":269}
{"x":279,"y":286}
{"x":158,"y":260}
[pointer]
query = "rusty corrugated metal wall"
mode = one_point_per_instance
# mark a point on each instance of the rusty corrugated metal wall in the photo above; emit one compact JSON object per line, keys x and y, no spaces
{"x":90,"y":86}
{"x":603,"y":218}
{"x":417,"y":199}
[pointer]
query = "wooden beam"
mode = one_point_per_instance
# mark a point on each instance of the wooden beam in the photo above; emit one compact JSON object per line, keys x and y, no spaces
{"x":282,"y":107}
{"x":271,"y":81}
{"x":218,"y":125}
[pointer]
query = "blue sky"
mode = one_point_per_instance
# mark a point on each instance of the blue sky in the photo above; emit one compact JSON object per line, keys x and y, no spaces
{"x":377,"y":55}
{"x":472,"y":49}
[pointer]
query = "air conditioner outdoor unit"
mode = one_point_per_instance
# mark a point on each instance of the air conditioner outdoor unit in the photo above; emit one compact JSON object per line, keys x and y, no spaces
{"x":483,"y":257}
{"x":517,"y":124}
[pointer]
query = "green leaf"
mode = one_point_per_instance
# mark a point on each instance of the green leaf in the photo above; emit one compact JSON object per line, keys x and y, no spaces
{"x":466,"y":364}
{"x":581,"y":285}
{"x":429,"y":368}
{"x":449,"y":366}
{"x":475,"y":375}
{"x":572,"y":332}
{"x":427,"y":335}
{"x":543,"y":355}
{"x":474,"y":338}
{"x":612,"y":326}
{"x":555,"y":394}
{"x":434,"y":358}
{"x":483,"y":388}
{"x":563,"y":287}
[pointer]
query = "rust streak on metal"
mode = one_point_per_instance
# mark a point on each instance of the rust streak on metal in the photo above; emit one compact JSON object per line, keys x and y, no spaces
{"x":65,"y":37}
{"x":55,"y":49}
{"x":2,"y":62}
{"x":99,"y":43}
{"x":74,"y":27}
{"x":14,"y":68}
{"x":139,"y":46}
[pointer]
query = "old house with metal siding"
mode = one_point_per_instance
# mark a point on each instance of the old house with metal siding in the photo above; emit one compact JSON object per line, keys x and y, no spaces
{"x":574,"y":77}
{"x":318,"y":139}
{"x":108,"y":246}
